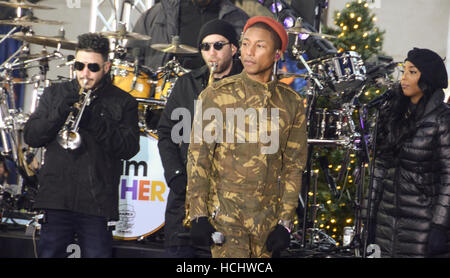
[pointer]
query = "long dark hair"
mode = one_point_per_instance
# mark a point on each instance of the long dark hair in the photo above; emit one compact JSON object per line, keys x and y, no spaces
{"x":398,"y":122}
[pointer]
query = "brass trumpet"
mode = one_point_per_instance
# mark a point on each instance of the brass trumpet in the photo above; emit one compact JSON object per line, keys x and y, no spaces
{"x":211,"y":73}
{"x":68,"y":136}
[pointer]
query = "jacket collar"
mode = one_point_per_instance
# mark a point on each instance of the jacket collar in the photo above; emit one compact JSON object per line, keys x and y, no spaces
{"x":436,"y":99}
{"x":266,"y":87}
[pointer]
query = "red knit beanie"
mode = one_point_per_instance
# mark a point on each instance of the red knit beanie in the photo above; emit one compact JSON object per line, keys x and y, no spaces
{"x":275,"y":25}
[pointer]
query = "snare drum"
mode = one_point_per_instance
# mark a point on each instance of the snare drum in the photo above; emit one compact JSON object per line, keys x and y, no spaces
{"x":165,"y":83}
{"x":143,"y":192}
{"x":327,"y":124}
{"x":123,"y":74}
{"x":346,"y":70}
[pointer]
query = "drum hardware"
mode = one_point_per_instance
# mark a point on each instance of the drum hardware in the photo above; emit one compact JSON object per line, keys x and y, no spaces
{"x":25,"y":5}
{"x":175,"y":47}
{"x":298,"y":29}
{"x":56,"y":41}
{"x":122,"y":34}
{"x":68,"y":136}
{"x":282,"y":75}
{"x":299,"y":55}
{"x":30,"y":20}
{"x":151,"y":101}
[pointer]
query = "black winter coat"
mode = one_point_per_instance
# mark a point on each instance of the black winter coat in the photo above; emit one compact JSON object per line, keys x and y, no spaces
{"x":174,"y":155}
{"x":412,"y":188}
{"x":85,"y":180}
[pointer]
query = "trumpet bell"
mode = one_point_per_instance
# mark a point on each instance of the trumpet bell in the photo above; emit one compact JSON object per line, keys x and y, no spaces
{"x":69,"y":140}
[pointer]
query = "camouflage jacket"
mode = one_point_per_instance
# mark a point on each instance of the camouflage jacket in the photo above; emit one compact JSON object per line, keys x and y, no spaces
{"x":240,"y":160}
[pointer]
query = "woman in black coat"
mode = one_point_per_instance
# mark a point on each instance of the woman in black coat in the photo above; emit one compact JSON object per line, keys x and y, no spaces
{"x":411,"y":191}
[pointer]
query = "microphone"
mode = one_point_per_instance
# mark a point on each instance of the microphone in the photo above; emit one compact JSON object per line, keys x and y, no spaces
{"x":323,"y":160}
{"x":70,"y":60}
{"x":136,"y":52}
{"x":381,"y":99}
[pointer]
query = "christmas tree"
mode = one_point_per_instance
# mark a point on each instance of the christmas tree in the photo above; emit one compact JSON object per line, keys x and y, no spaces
{"x":332,"y":212}
{"x":356,"y":30}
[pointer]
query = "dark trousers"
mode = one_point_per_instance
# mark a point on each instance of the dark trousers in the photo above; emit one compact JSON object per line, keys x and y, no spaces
{"x":60,"y":228}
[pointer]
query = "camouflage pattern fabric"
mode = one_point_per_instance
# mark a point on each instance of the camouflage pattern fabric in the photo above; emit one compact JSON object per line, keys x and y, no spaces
{"x":243,"y":190}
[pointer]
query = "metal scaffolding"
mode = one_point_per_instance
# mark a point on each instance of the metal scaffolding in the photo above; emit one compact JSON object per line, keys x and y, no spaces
{"x":119,"y":11}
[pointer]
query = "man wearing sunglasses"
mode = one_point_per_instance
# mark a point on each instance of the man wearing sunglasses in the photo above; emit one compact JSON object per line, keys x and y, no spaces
{"x":218,"y":43}
{"x":78,"y":189}
{"x":245,"y":191}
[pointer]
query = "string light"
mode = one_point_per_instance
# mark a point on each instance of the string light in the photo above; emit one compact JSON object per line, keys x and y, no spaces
{"x":359,"y":19}
{"x":353,"y":47}
{"x":365,"y":34}
{"x":352,"y":15}
{"x":356,"y":26}
{"x":348,"y":220}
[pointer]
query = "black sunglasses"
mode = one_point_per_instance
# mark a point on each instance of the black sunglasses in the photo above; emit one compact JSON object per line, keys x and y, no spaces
{"x":93,"y":67}
{"x":217,"y":45}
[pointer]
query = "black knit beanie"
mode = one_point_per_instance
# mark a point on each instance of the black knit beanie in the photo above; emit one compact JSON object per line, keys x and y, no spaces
{"x":220,"y":27}
{"x":430,"y":65}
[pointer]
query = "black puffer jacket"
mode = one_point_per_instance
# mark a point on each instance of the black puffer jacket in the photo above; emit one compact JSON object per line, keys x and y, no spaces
{"x":85,"y":180}
{"x":412,"y":188}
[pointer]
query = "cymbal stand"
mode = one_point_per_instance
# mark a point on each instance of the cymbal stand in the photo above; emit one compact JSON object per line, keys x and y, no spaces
{"x":299,"y":55}
{"x":363,"y":157}
{"x":9,"y":34}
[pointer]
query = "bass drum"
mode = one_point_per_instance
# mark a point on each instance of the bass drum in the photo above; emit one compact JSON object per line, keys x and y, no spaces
{"x":124,"y":77}
{"x":143,"y":192}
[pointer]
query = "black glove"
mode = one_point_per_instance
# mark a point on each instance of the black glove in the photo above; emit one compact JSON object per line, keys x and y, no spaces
{"x":178,"y":184}
{"x":437,"y":241}
{"x":201,"y":231}
{"x":278,"y":239}
{"x":62,"y":109}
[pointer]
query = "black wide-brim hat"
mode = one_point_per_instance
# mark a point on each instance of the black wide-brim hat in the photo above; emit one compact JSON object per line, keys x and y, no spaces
{"x":430,"y":65}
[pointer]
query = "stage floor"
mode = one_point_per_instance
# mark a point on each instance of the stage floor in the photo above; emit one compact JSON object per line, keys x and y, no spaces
{"x":15,"y":243}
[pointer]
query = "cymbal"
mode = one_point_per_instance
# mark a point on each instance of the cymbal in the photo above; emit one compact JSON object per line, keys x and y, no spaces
{"x":174,"y":48}
{"x":282,"y":75}
{"x":46,"y":41}
{"x":30,"y":21}
{"x":122,"y":35}
{"x":301,"y":30}
{"x":25,"y":5}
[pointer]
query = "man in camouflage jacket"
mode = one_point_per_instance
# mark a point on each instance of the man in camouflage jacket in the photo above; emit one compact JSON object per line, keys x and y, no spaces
{"x":240,"y":182}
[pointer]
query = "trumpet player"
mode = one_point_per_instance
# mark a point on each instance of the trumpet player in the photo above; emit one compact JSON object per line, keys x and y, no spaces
{"x":218,"y":44}
{"x":78,"y":185}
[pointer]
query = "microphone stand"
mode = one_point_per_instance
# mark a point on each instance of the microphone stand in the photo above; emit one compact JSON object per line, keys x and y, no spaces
{"x":363,"y":159}
{"x":371,"y":178}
